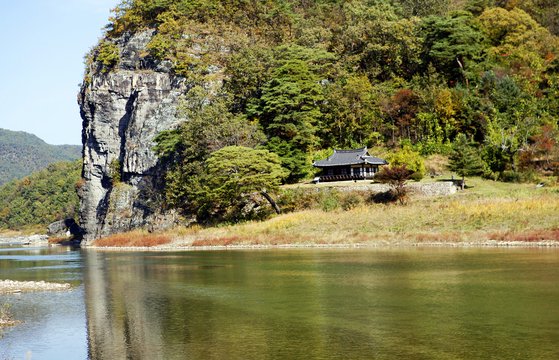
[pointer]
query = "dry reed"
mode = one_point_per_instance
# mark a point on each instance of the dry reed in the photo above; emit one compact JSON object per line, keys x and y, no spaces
{"x":133,"y":239}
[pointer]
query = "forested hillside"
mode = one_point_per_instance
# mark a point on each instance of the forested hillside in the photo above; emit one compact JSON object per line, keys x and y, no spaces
{"x":302,"y":77}
{"x":22,"y":153}
{"x":41,"y":198}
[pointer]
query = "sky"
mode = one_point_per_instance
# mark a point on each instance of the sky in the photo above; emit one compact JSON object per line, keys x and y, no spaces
{"x":42,"y":47}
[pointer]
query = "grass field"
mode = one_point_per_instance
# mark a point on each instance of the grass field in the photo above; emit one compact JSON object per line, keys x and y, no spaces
{"x":485,"y":211}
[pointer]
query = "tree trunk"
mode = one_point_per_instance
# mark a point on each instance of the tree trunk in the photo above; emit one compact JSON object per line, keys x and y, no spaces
{"x":271,"y":201}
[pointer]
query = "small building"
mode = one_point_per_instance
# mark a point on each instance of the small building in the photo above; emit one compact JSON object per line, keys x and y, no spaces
{"x":348,"y":165}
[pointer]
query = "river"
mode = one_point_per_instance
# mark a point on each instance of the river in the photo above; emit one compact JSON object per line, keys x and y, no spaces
{"x":413,"y":303}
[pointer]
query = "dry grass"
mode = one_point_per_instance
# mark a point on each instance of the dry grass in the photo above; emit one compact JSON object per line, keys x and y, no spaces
{"x":9,"y":233}
{"x":58,"y":240}
{"x":527,"y":236}
{"x":436,"y":164}
{"x":6,"y":318}
{"x":464,"y":218}
{"x":486,"y":211}
{"x":133,"y":239}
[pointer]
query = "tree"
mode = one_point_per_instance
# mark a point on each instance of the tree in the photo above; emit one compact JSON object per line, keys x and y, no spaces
{"x":352,"y":118}
{"x":453,"y":45}
{"x":208,"y":127}
{"x":518,"y":42}
{"x":401,"y":110}
{"x":542,"y":152}
{"x":289,"y":109}
{"x":465,"y":159}
{"x":234,"y":173}
{"x":378,"y":41}
{"x":42,"y":197}
{"x":424,"y":7}
{"x":409,"y":158}
{"x":396,"y":177}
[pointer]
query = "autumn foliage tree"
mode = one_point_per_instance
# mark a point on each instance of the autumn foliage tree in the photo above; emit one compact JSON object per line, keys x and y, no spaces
{"x":396,"y":177}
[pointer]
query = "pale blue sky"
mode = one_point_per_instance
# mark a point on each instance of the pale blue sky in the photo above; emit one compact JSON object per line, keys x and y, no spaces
{"x":42,"y":46}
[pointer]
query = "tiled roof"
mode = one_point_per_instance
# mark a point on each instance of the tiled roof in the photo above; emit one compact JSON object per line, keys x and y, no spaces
{"x":350,"y":157}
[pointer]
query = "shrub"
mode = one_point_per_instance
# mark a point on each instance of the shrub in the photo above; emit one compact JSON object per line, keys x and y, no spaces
{"x":108,"y":55}
{"x":351,"y":200}
{"x":412,"y":160}
{"x":396,"y":177}
{"x":511,"y":176}
{"x":330,"y":202}
{"x":115,"y":171}
{"x":298,"y":199}
{"x":6,"y":318}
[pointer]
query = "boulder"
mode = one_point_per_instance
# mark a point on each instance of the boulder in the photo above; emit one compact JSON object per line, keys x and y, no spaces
{"x":66,"y":227}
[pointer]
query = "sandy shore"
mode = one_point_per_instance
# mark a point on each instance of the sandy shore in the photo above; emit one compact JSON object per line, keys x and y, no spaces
{"x":10,"y":286}
{"x":375,"y":245}
{"x":34,"y":240}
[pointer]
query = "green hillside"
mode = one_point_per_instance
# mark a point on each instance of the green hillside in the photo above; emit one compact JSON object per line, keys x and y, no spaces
{"x":41,"y":198}
{"x":22,"y":153}
{"x":303,"y":77}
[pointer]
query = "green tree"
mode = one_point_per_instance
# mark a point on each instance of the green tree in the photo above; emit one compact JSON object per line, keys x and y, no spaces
{"x":409,"y":158}
{"x":453,"y":45}
{"x":289,"y":111}
{"x":465,"y":159}
{"x":376,"y":40}
{"x":41,"y":198}
{"x":107,"y":54}
{"x":248,"y":71}
{"x":351,"y":115}
{"x":424,"y":7}
{"x":233,"y":175}
{"x":518,"y":42}
{"x":208,"y":127}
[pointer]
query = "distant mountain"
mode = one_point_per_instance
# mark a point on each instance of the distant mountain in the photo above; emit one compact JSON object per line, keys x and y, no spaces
{"x":22,"y":153}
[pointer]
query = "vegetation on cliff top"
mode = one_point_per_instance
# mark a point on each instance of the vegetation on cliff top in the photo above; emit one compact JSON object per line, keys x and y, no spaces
{"x":303,"y":77}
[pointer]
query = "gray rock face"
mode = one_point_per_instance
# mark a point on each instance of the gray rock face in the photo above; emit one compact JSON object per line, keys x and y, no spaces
{"x":64,"y":227}
{"x":122,"y":111}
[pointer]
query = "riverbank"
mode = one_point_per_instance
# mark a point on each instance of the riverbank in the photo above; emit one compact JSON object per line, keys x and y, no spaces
{"x":487,"y":214}
{"x":19,"y":239}
{"x":11,"y":286}
{"x":16,"y":287}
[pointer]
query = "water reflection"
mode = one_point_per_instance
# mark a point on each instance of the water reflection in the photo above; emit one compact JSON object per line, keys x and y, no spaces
{"x":52,"y":323}
{"x":322,"y":304}
{"x":319,"y":304}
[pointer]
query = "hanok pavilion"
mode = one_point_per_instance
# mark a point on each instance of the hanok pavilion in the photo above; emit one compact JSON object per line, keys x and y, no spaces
{"x":354,"y":164}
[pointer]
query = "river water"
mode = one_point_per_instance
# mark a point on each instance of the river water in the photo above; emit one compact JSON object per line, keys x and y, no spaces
{"x":286,"y":304}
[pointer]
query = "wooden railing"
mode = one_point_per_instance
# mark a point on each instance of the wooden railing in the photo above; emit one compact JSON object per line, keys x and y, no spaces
{"x":325,"y":178}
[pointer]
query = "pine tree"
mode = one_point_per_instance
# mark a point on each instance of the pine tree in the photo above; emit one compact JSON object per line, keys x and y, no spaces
{"x":465,"y":159}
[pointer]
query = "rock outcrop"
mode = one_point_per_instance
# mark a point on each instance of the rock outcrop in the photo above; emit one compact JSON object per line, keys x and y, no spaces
{"x":66,"y":227}
{"x":122,"y":111}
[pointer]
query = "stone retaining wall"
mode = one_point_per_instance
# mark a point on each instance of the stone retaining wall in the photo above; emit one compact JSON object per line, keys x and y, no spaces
{"x":442,"y":188}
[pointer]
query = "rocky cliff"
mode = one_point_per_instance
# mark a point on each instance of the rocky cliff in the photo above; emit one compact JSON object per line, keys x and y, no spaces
{"x":123,"y":110}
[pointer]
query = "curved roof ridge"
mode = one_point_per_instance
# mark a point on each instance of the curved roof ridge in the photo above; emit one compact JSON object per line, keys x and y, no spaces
{"x":349,"y":157}
{"x":346,"y":151}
